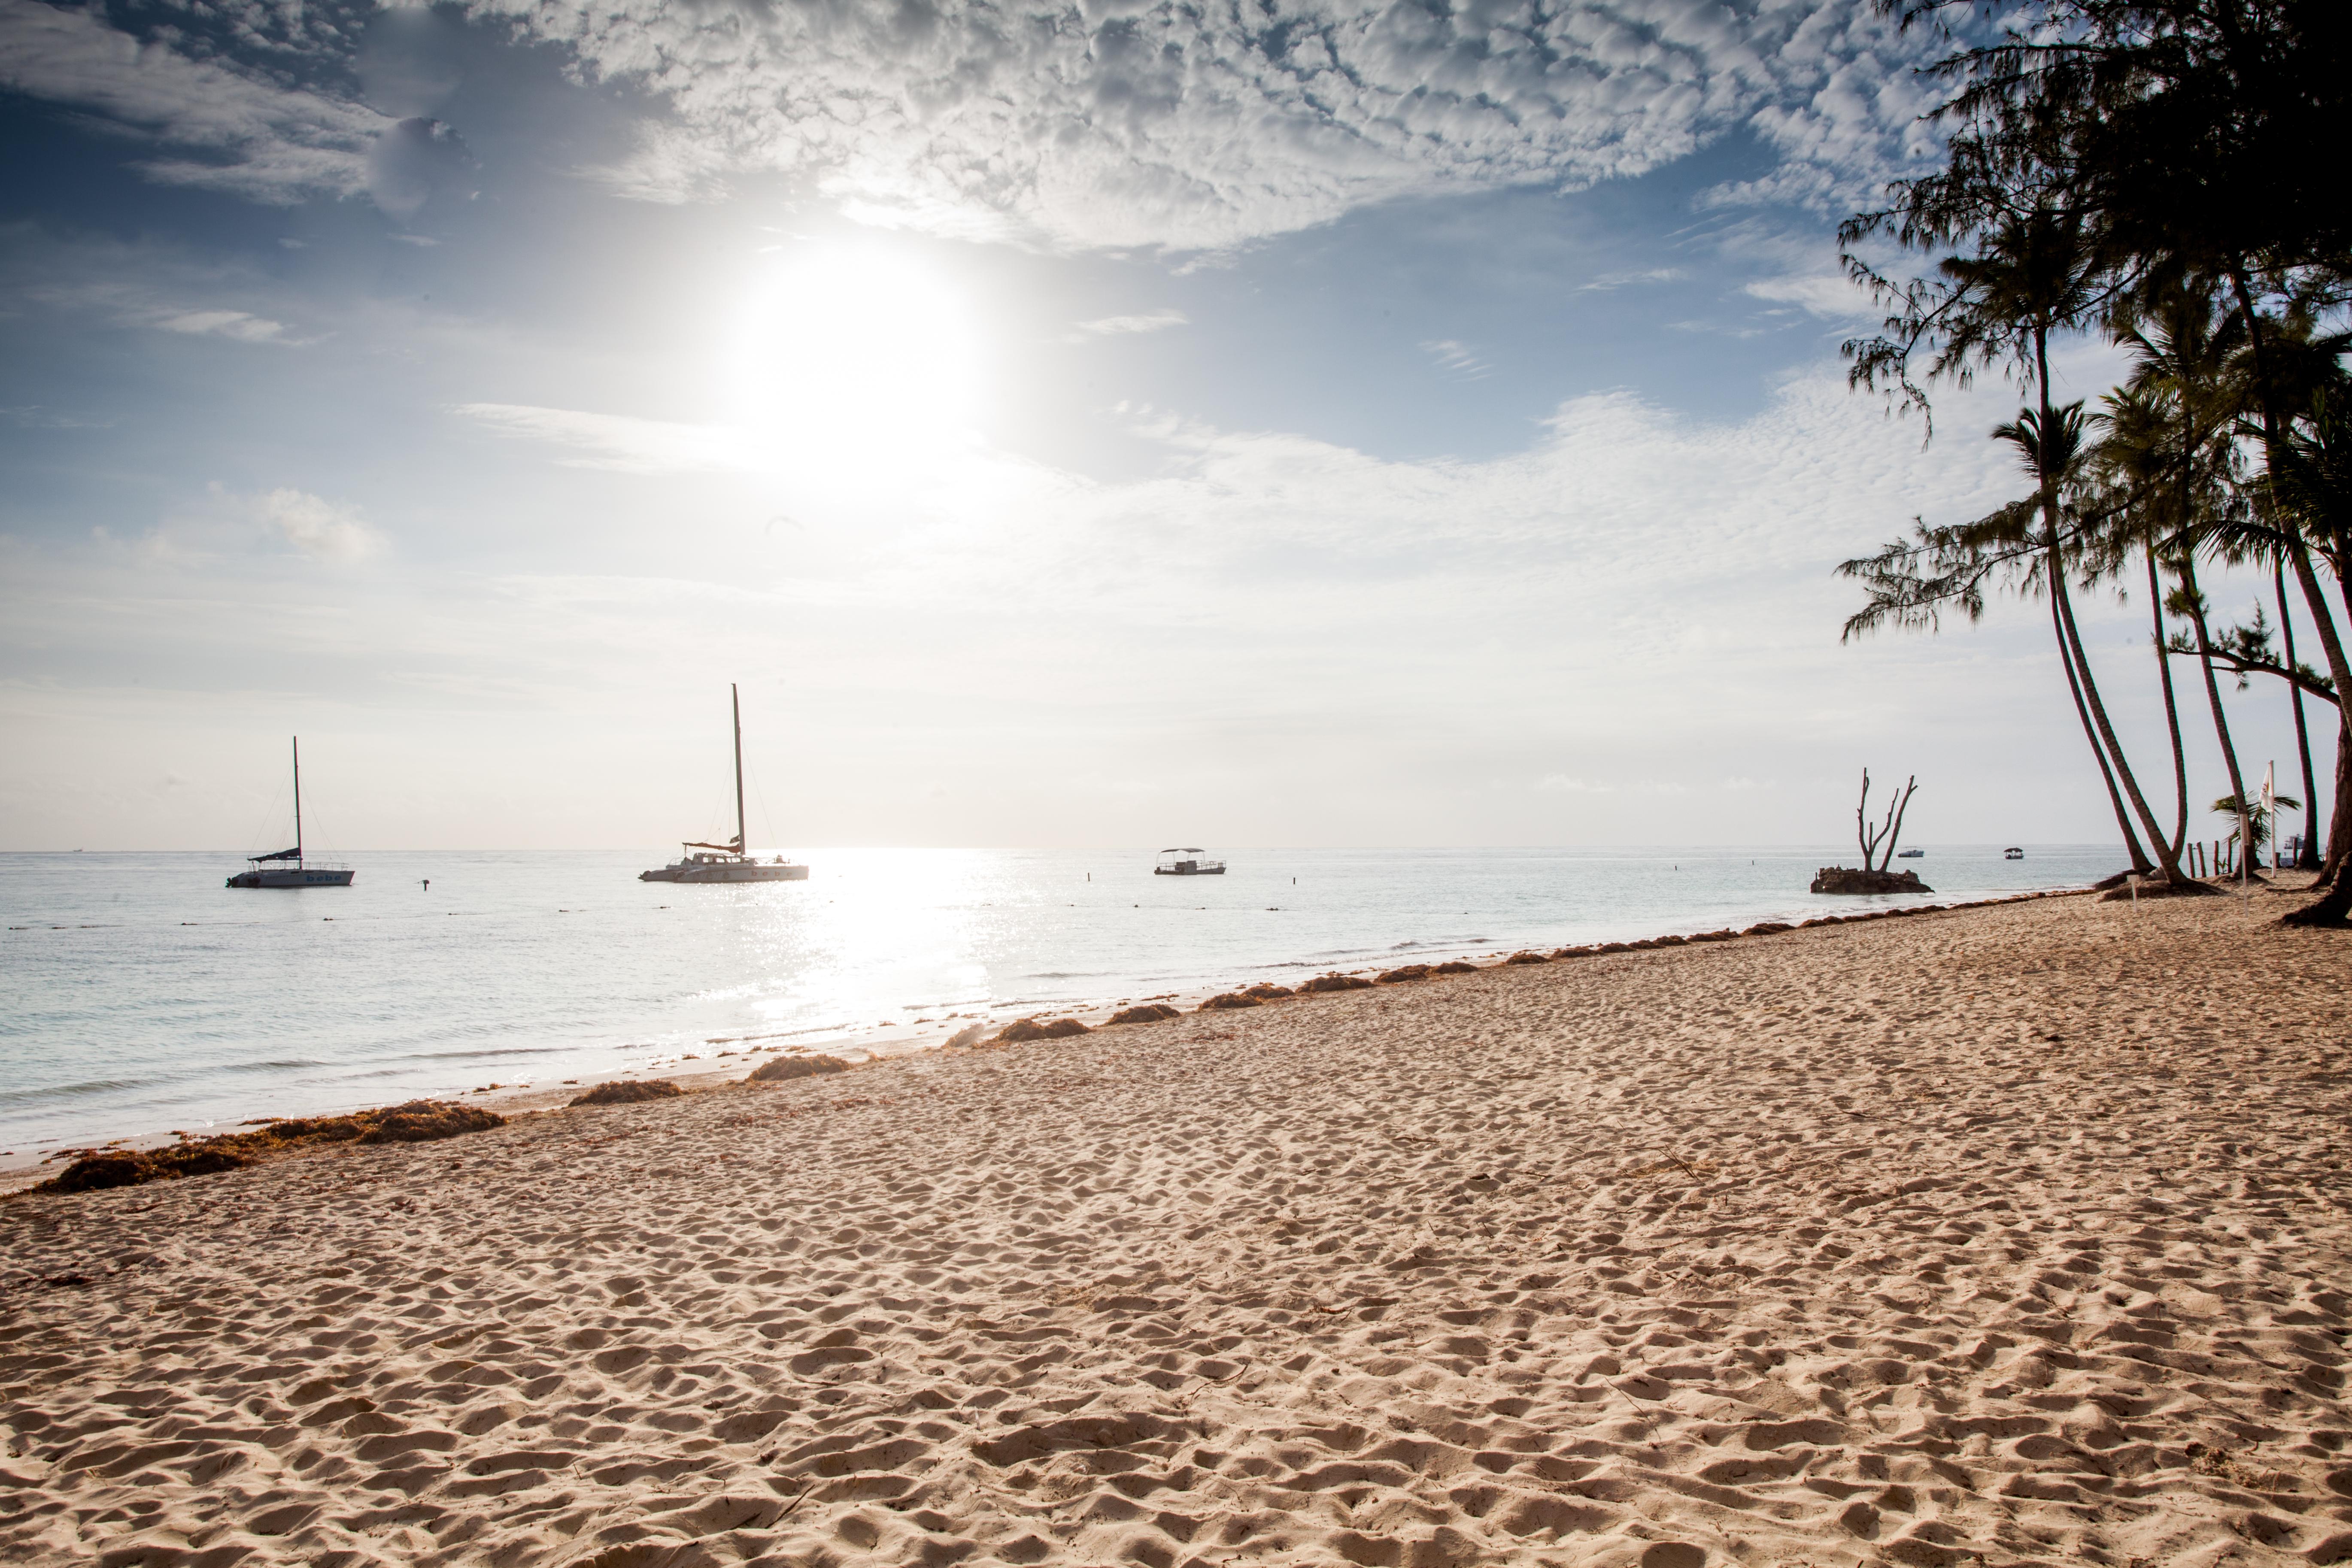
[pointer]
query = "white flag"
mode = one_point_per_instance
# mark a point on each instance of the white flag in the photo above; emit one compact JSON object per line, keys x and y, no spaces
{"x":2270,"y":788}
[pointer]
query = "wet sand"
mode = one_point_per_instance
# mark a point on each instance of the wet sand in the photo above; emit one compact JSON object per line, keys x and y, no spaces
{"x":2006,"y":1235}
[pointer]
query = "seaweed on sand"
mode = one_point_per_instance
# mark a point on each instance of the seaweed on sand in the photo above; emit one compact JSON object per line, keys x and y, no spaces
{"x":621,"y":1093}
{"x":1022,"y":1029}
{"x":787,"y":1067}
{"x":417,"y":1122}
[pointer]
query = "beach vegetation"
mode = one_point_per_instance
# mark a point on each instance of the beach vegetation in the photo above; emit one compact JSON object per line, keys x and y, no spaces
{"x":2252,"y":817}
{"x":2144,"y":173}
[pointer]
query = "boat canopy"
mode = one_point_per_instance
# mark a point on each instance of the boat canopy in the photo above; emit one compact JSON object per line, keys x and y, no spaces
{"x":293,"y":854}
{"x":1194,"y":851}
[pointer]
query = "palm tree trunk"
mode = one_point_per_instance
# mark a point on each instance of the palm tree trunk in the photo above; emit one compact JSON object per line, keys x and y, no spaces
{"x":2093,"y":712}
{"x":2306,"y":856}
{"x":2139,"y":861}
{"x":2333,"y":909}
{"x":2213,"y":698}
{"x":2332,"y":868}
{"x":2171,"y":710}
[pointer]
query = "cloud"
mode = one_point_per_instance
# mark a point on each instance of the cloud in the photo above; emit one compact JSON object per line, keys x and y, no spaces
{"x":1457,"y":358}
{"x":1152,"y":123}
{"x":1116,"y":326}
{"x":261,"y":141}
{"x":236,"y":525}
{"x":412,"y":161}
{"x":234,"y":325}
{"x":316,"y":527}
{"x":1830,"y":295}
{"x":1608,"y":281}
{"x":615,"y":441}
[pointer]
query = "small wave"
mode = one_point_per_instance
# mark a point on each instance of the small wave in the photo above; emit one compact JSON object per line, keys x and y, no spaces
{"x":1069,"y":975}
{"x":265,"y":1066}
{"x":470,"y":1056}
{"x":72,"y":1091}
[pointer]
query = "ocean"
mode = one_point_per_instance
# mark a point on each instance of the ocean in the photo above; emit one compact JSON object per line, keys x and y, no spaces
{"x":139,"y":995}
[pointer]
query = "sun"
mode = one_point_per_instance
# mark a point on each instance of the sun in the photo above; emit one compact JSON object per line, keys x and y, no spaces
{"x":853,"y":361}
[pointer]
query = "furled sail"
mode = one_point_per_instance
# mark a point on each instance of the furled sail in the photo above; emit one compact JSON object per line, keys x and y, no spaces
{"x":293,"y":854}
{"x":734,"y":848}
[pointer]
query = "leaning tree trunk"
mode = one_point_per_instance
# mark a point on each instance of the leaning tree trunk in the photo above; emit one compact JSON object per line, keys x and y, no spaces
{"x":2333,"y":909}
{"x":2306,"y":856}
{"x":2336,"y":908}
{"x":2171,"y":710}
{"x":2139,"y":861}
{"x":2214,"y":700}
{"x":2106,"y":731}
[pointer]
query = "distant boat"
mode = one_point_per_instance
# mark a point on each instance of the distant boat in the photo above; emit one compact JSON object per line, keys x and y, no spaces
{"x":2012,"y":853}
{"x":727,"y":862}
{"x":286,"y":868}
{"x":1910,"y":854}
{"x":1187,"y":863}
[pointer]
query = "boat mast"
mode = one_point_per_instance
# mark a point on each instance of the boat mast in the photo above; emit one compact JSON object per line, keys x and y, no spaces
{"x":735,"y":698}
{"x":297,"y":800}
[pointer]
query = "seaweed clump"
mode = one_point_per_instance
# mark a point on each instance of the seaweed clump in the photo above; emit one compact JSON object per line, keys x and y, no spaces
{"x":621,"y":1093}
{"x":417,"y":1122}
{"x":1022,"y":1029}
{"x":785,"y":1067}
{"x":1226,"y":999}
{"x":134,"y":1167}
{"x":1403,"y":973}
{"x":1146,"y":1012}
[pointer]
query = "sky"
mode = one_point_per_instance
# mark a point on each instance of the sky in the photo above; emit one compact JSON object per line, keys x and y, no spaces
{"x":1103,"y":423}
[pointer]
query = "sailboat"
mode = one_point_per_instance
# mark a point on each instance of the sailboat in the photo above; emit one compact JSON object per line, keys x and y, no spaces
{"x":727,"y":862}
{"x":287,"y":867}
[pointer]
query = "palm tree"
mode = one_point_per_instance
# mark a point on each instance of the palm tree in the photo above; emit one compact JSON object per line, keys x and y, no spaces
{"x":2029,"y":276}
{"x":2182,"y":131}
{"x":2254,"y":822}
{"x":2309,"y":487}
{"x":2171,"y":446}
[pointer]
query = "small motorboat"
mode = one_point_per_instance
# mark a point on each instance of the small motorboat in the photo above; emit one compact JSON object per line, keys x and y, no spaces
{"x":1187,"y":863}
{"x":287,"y":867}
{"x":1910,"y":854}
{"x":2012,"y":853}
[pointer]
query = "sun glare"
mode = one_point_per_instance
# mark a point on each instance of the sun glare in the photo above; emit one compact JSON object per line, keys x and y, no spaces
{"x":855,"y":361}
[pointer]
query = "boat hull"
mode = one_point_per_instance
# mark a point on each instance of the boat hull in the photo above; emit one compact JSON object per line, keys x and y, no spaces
{"x":1203,"y":871}
{"x":308,"y":876}
{"x":725,"y":874}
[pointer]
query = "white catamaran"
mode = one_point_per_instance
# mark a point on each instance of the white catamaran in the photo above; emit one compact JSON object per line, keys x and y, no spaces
{"x":286,"y":868}
{"x":727,"y":862}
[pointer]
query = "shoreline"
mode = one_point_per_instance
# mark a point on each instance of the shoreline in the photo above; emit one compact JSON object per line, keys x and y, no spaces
{"x":20,"y":1172}
{"x":2000,"y":1234}
{"x":126,"y":1053}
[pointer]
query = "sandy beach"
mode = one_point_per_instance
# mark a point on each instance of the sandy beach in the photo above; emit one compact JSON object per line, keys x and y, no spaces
{"x":2008,"y":1235}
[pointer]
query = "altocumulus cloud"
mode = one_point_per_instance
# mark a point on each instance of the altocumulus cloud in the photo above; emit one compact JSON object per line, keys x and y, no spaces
{"x":226,"y":128}
{"x":1111,"y":122}
{"x":1100,"y":123}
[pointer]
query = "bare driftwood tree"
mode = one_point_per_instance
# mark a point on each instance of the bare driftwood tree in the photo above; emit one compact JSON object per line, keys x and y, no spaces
{"x":1887,"y":832}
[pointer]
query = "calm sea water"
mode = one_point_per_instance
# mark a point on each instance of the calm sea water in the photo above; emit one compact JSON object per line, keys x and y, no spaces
{"x":138,"y":995}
